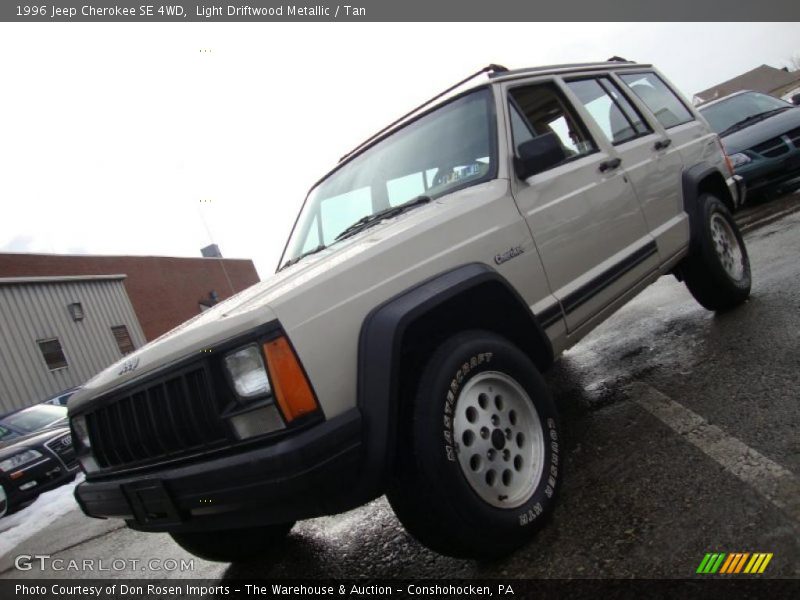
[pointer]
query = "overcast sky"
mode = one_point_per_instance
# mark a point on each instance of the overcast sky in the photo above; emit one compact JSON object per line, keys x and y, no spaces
{"x":124,"y":138}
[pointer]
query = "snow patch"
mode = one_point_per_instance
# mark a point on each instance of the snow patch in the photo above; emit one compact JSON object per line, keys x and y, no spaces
{"x":46,"y":509}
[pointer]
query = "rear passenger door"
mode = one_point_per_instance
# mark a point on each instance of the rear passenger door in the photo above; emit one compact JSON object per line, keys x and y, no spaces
{"x":682,"y":141}
{"x":583,"y":214}
{"x":653,"y":168}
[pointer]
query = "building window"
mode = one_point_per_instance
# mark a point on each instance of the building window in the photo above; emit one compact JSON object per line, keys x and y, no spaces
{"x":123,"y":339}
{"x":76,"y":311}
{"x":53,"y":354}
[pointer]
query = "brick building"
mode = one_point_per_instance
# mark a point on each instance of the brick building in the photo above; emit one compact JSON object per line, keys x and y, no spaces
{"x":164,"y":290}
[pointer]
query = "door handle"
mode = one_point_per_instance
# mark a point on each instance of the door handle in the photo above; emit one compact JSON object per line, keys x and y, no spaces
{"x":661,"y":144}
{"x":610,"y":165}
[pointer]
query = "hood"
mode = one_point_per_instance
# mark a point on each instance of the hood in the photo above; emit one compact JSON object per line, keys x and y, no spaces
{"x":31,"y":440}
{"x":244,"y":311}
{"x":761,"y":131}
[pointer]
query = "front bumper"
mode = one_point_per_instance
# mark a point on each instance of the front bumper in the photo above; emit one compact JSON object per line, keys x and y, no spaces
{"x":44,"y":475}
{"x":764,"y":173}
{"x":738,"y":189}
{"x":310,"y":474}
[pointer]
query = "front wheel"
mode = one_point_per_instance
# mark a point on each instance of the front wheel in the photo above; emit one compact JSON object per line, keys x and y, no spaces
{"x":717,"y":273}
{"x":479,"y":464}
{"x":233,"y":545}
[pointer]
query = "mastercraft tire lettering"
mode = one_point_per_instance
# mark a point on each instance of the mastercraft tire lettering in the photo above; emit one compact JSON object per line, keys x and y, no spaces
{"x":480,"y":460}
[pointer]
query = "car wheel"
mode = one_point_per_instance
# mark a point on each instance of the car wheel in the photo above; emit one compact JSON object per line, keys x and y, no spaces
{"x":478,"y":461}
{"x":3,"y":502}
{"x":233,"y":545}
{"x":717,"y":273}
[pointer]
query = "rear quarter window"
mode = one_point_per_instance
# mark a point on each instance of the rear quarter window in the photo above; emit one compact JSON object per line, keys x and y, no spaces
{"x":667,"y":107}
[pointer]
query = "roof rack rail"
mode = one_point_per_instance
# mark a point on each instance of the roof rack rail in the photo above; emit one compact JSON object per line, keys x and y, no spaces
{"x":492,"y":68}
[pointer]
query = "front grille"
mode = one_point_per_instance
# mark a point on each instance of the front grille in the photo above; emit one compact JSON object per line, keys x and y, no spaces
{"x":794,"y":135}
{"x":771,"y":148}
{"x":62,"y":447}
{"x":160,"y":419}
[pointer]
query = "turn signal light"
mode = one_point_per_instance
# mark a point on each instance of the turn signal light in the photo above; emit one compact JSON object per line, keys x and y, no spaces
{"x":725,"y":154}
{"x":290,"y":385}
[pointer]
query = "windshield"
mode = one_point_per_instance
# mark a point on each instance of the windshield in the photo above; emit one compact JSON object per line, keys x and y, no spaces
{"x":7,"y":434}
{"x":35,"y":418}
{"x":737,"y":108}
{"x":449,"y":148}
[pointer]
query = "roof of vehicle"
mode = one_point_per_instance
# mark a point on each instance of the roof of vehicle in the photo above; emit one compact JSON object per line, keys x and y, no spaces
{"x":567,"y":68}
{"x":705,"y":105}
{"x":69,"y":391}
{"x":496,"y":73}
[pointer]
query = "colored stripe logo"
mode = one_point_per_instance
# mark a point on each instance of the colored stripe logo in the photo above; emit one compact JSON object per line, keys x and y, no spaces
{"x":734,"y":563}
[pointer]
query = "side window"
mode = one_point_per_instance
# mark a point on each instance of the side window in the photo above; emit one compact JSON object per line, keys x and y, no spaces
{"x":662,"y":101}
{"x":539,"y":114}
{"x":611,"y":110}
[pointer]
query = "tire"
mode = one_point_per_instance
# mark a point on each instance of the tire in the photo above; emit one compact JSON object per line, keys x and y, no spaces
{"x":441,"y":490}
{"x":717,"y":272}
{"x":233,"y":545}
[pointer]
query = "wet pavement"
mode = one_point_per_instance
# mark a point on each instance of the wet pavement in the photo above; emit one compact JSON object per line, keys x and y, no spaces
{"x":639,"y":500}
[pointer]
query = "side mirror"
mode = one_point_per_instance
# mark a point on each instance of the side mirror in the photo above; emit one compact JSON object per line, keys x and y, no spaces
{"x":539,"y":154}
{"x":796,"y":99}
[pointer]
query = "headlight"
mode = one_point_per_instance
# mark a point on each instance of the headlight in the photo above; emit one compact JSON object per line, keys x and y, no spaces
{"x":739,"y":159}
{"x":248,"y":374}
{"x":81,"y":431}
{"x":19,"y":460}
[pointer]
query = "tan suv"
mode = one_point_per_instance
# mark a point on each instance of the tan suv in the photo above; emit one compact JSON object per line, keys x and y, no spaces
{"x":429,"y":279}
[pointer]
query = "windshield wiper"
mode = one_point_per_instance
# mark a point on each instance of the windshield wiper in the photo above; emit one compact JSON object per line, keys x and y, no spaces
{"x":297,"y":259}
{"x":753,"y":119}
{"x":387,"y":213}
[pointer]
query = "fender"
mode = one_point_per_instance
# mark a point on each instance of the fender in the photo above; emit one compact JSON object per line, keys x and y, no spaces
{"x":691,"y":181}
{"x":379,"y":360}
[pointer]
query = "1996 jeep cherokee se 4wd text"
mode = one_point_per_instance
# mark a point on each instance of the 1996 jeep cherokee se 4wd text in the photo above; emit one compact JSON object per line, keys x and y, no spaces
{"x":429,"y":279}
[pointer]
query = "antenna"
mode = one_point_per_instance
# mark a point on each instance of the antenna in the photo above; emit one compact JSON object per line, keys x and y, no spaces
{"x":221,"y":260}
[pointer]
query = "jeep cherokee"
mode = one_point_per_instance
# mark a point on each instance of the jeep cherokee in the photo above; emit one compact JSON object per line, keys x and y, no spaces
{"x":430,"y":278}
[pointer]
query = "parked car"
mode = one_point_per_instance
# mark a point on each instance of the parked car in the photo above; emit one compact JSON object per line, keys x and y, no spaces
{"x":429,"y":279}
{"x":61,"y":398}
{"x":761,"y":135}
{"x":33,"y":463}
{"x":33,"y":418}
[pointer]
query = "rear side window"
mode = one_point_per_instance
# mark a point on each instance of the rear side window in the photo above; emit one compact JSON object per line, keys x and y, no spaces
{"x":662,"y":101}
{"x":609,"y":108}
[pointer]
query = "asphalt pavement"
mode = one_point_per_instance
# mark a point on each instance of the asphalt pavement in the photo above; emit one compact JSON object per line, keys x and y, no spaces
{"x":682,"y":437}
